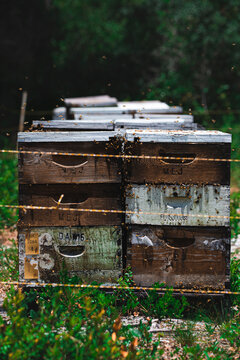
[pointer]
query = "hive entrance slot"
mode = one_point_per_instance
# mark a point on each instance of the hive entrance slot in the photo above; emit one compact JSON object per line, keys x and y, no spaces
{"x":188,"y":158}
{"x":71,"y":251}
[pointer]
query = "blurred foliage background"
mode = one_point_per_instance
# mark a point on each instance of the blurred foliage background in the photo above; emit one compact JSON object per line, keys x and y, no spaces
{"x":182,"y":52}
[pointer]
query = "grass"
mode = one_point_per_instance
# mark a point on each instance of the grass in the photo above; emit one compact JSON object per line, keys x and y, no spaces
{"x":85,"y":324}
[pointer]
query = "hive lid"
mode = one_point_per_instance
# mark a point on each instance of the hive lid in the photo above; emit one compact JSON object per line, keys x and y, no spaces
{"x":179,"y":136}
{"x":67,"y":136}
{"x":100,"y":100}
{"x":141,"y":105}
{"x":129,"y":110}
{"x":98,"y":124}
{"x":163,"y":116}
{"x":150,"y":123}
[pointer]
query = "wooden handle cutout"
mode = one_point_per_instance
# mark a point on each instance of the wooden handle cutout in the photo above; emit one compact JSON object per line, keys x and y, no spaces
{"x":177,"y":202}
{"x":179,"y":243}
{"x":69,"y":162}
{"x":71,"y":251}
{"x":70,"y":200}
{"x":178,"y":161}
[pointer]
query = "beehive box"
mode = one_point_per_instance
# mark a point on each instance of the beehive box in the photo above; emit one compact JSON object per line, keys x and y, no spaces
{"x":178,"y":210}
{"x":37,"y":168}
{"x":76,"y":197}
{"x":90,"y":253}
{"x":72,"y":234}
{"x":182,"y":205}
{"x":187,"y":257}
{"x":195,"y":146}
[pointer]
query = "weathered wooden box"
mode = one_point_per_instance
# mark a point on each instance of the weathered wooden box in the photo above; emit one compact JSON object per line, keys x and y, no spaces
{"x":90,"y":253}
{"x":37,"y":168}
{"x":81,"y":196}
{"x":185,"y":257}
{"x":178,"y":205}
{"x":195,"y":146}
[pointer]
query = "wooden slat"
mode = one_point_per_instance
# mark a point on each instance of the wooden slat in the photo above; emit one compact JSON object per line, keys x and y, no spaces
{"x":94,"y":196}
{"x":90,"y":253}
{"x":180,"y":256}
{"x":178,"y":199}
{"x":178,"y":171}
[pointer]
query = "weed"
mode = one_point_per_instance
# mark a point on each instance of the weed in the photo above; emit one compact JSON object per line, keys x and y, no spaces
{"x":184,"y":334}
{"x":163,"y":306}
{"x":9,"y":189}
{"x":127,"y":298}
{"x":9,"y":262}
{"x":70,"y":325}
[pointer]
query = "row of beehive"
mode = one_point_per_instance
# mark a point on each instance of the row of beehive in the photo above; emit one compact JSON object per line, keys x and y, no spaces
{"x":179,"y":250}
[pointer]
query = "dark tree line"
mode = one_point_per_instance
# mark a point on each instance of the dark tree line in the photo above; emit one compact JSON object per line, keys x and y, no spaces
{"x":185,"y":52}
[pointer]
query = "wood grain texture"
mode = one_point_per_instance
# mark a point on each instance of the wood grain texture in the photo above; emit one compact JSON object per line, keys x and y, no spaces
{"x":180,"y":256}
{"x":49,"y":169}
{"x":90,"y":253}
{"x":181,"y":201}
{"x":178,"y":171}
{"x":92,"y":196}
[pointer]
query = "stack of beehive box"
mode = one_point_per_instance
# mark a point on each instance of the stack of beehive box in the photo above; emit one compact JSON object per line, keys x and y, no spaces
{"x":85,"y":244}
{"x":178,"y":208}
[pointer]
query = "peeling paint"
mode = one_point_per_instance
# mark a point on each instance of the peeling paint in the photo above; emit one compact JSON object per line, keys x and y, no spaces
{"x":46,"y":262}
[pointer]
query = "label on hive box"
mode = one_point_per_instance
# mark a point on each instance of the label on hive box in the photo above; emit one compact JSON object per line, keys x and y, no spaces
{"x":173,"y":170}
{"x":31,"y":244}
{"x":30,"y":269}
{"x":67,"y":237}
